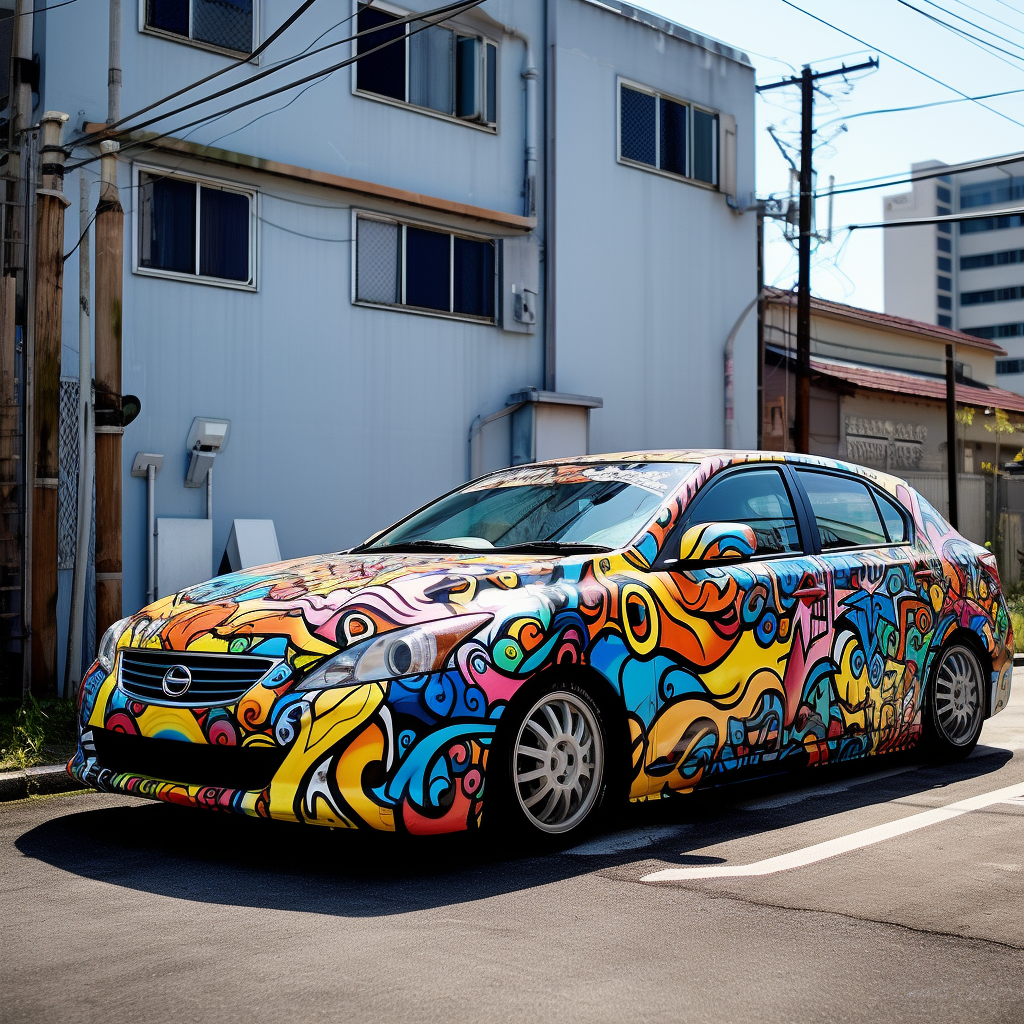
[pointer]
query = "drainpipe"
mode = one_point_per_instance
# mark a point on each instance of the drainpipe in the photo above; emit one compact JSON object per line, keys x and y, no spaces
{"x":730,"y":346}
{"x":550,"y":383}
{"x":114,"y":70}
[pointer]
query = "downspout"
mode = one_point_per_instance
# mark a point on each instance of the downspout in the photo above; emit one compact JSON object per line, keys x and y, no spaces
{"x":549,"y":199}
{"x":730,"y":346}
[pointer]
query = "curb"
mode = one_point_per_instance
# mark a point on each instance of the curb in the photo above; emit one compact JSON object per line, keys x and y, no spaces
{"x":41,"y":781}
{"x":1018,"y":659}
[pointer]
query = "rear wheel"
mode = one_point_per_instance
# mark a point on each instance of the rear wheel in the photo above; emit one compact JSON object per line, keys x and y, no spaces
{"x":955,"y":709}
{"x":553,"y":764}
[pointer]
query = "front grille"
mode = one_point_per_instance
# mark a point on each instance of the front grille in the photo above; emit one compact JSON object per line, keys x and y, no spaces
{"x":200,"y":764}
{"x":216,"y":678}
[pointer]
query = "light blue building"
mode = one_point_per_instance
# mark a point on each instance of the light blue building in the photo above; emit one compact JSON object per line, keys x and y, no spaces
{"x":360,"y":272}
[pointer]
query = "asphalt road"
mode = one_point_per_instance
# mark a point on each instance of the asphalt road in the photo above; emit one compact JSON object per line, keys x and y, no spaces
{"x":119,"y":910}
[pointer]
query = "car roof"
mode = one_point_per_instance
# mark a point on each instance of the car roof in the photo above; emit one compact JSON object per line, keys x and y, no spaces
{"x":726,"y":456}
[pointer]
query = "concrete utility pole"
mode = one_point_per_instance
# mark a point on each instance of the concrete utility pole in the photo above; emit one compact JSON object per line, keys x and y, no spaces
{"x":802,"y":413}
{"x":50,"y":205}
{"x":109,"y":424}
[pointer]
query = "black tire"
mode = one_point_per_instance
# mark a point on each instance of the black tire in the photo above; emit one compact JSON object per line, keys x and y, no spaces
{"x":565,"y":790}
{"x":954,"y":710}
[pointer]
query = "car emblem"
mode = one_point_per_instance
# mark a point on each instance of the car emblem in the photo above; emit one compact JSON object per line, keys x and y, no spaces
{"x":177,"y":679}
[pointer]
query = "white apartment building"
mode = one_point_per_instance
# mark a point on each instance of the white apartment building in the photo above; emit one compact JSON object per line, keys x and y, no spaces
{"x":968,"y":276}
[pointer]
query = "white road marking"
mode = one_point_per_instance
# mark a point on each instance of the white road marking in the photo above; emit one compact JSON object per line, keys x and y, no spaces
{"x":844,"y":844}
{"x":786,"y":799}
{"x":622,"y":841}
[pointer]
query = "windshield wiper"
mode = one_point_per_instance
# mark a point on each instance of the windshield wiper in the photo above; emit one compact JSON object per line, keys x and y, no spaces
{"x":423,"y":545}
{"x":556,"y":547}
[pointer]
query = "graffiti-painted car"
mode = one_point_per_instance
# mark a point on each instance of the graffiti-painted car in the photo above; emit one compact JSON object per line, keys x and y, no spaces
{"x":551,"y":636}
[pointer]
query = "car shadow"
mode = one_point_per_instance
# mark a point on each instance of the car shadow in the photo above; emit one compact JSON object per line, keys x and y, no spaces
{"x":236,"y":861}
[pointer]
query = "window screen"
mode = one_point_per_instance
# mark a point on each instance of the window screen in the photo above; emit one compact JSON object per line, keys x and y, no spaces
{"x":757,"y":497}
{"x":226,"y":23}
{"x":705,"y":147}
{"x":378,"y":250}
{"x":382,"y":72}
{"x":844,"y":509}
{"x":637,"y":126}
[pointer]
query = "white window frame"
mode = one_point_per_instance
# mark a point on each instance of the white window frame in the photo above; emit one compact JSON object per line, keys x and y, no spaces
{"x":401,"y":307}
{"x":252,"y":285}
{"x":690,"y":108}
{"x":480,"y":126}
{"x":199,"y":43}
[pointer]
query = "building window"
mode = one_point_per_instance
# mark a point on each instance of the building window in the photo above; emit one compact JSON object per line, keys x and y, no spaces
{"x":942,"y":211}
{"x":997,"y":331}
{"x":944,"y":263}
{"x":945,"y":302}
{"x":195,"y":229}
{"x":944,"y":283}
{"x":437,"y":69}
{"x":667,"y":134}
{"x":944,"y":228}
{"x":225,"y":24}
{"x":992,"y":259}
{"x":944,"y":195}
{"x":945,"y":321}
{"x":992,"y":295}
{"x":424,"y":270}
{"x":1009,"y":366}
{"x":970,"y":227}
{"x":944,"y":245}
{"x":988,"y":193}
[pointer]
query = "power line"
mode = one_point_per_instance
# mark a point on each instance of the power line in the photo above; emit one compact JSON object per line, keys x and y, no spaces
{"x":974,"y":24}
{"x":937,"y":81}
{"x":279,"y":66}
{"x":991,"y":17}
{"x":38,"y":10}
{"x":920,"y":106}
{"x":462,"y":8}
{"x":982,"y":44}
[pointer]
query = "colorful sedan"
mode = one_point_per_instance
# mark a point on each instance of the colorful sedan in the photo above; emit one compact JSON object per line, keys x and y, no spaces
{"x":550,"y":638}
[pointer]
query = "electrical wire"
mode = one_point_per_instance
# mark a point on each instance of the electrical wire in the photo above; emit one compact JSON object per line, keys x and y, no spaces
{"x":38,"y":10}
{"x":938,"y":81}
{"x":279,"y":66}
{"x":463,"y":7}
{"x":919,"y":106}
{"x":991,"y":17}
{"x":981,"y":44}
{"x":974,"y":24}
{"x":302,"y":234}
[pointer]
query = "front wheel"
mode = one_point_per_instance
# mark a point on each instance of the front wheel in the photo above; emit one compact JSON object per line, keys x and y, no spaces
{"x":553,"y":763}
{"x":955,"y":707}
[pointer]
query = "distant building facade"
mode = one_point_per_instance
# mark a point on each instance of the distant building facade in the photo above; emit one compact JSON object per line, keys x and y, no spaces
{"x":537,"y":207}
{"x":968,"y":276}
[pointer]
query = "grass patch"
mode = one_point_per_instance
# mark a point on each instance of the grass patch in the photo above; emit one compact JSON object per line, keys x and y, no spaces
{"x":36,"y":732}
{"x":1015,"y":606}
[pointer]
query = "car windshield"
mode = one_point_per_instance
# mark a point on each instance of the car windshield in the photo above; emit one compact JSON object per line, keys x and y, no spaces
{"x":588,"y":506}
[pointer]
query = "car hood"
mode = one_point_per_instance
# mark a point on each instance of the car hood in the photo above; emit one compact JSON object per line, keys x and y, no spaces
{"x":308,"y":608}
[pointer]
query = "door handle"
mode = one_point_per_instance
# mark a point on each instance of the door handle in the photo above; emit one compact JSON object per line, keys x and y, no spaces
{"x":810,"y":594}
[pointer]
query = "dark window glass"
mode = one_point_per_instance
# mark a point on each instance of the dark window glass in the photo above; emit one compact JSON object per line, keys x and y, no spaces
{"x":1013,"y":220}
{"x":705,"y":147}
{"x":945,"y":263}
{"x":944,"y":245}
{"x":427,"y":269}
{"x":673,"y":137}
{"x":986,"y":193}
{"x":382,"y":72}
{"x":226,"y":23}
{"x":1009,"y":366}
{"x":942,"y":211}
{"x":997,"y":331}
{"x":169,"y":15}
{"x":945,"y":284}
{"x":944,"y":228}
{"x":431,"y":68}
{"x":844,"y":510}
{"x":945,"y":302}
{"x":945,"y":321}
{"x":466,"y":104}
{"x":637,"y":126}
{"x":944,"y":195}
{"x":757,"y":497}
{"x":895,"y":520}
{"x":167,"y":224}
{"x":492,"y":83}
{"x":474,"y":277}
{"x":223,"y":234}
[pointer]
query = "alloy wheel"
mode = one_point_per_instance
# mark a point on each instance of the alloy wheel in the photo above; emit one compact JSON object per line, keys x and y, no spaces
{"x":558,"y":762}
{"x":958,"y":696}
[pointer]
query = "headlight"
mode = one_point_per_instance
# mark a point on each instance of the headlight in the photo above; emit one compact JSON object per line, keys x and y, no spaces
{"x":108,"y":645}
{"x":402,"y":652}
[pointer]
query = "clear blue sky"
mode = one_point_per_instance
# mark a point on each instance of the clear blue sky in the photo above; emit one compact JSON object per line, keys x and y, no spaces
{"x":779,"y":39}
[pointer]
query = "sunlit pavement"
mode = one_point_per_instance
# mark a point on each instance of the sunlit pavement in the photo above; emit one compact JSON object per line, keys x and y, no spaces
{"x":113,"y":909}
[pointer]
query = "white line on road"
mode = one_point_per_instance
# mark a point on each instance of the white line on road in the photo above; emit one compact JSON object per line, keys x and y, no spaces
{"x":844,"y":844}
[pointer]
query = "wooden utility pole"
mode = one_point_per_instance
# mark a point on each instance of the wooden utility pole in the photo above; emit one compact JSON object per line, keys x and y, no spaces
{"x":50,"y":205}
{"x":951,"y":459}
{"x":802,"y":413}
{"x":109,"y":423}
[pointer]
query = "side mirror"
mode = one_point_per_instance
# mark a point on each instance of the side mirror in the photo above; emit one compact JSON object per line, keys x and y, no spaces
{"x":716,"y":544}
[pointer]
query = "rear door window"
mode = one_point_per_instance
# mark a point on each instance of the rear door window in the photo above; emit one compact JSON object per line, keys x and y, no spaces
{"x":845,"y":510}
{"x":895,"y":520}
{"x":756,"y":497}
